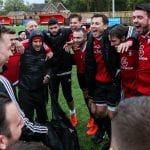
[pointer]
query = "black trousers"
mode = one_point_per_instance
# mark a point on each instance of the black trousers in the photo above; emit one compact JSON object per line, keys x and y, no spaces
{"x":65,"y":81}
{"x":31,"y":101}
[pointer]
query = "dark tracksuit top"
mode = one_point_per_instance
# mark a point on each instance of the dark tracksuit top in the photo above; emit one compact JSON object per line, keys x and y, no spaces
{"x":61,"y":61}
{"x":60,"y":65}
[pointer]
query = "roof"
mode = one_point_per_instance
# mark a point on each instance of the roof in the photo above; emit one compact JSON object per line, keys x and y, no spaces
{"x":62,"y":8}
{"x":37,"y":7}
{"x":60,"y":5}
{"x":16,"y":13}
{"x":49,"y":7}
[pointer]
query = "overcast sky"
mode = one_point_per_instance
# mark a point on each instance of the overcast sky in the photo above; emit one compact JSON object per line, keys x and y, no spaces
{"x":34,"y":1}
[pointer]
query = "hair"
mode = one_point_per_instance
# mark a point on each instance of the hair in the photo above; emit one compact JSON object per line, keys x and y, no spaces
{"x":87,"y":25}
{"x":5,"y":30}
{"x":4,"y":125}
{"x":81,"y":30}
{"x":144,"y":7}
{"x":30,"y":21}
{"x":20,"y":32}
{"x":131,"y":125}
{"x":75,"y":16}
{"x":11,"y":31}
{"x":28,"y":146}
{"x":118,"y":31}
{"x":104,"y":18}
{"x":52,"y":21}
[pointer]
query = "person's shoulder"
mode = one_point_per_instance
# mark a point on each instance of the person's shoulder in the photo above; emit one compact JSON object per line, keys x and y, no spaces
{"x":89,"y":35}
{"x":105,"y":34}
{"x":2,"y":87}
{"x":106,"y":31}
{"x":46,"y":32}
{"x":65,"y":30}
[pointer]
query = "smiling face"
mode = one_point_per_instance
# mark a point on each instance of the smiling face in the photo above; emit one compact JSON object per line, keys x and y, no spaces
{"x":31,"y":25}
{"x":37,"y":43}
{"x":141,"y":21}
{"x":75,"y":23}
{"x":98,"y":26}
{"x":78,"y":38}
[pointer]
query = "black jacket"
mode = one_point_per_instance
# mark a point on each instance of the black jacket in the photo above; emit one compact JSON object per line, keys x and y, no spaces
{"x":32,"y":67}
{"x":61,"y":60}
{"x":110,"y":56}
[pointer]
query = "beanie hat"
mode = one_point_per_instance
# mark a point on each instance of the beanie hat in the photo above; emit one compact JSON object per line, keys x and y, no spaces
{"x":37,"y":38}
{"x":37,"y":34}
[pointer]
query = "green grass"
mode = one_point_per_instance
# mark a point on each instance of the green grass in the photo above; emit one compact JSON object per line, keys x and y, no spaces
{"x":81,"y":109}
{"x":82,"y":114}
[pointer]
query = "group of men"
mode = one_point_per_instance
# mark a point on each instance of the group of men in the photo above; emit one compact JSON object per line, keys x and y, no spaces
{"x":104,"y":57}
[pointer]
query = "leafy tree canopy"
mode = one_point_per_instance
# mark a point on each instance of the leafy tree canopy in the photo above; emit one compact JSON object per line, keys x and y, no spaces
{"x":15,"y":5}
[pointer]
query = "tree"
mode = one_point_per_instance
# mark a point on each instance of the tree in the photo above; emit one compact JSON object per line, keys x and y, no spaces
{"x":15,"y":5}
{"x":100,"y":5}
{"x":130,"y":4}
{"x":1,"y":2}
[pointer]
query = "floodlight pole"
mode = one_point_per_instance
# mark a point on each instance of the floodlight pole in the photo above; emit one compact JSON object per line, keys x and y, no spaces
{"x":113,"y":8}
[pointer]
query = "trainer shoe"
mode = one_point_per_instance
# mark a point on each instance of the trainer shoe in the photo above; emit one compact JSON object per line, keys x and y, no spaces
{"x":90,"y":123}
{"x":92,"y":130}
{"x":74,"y":120}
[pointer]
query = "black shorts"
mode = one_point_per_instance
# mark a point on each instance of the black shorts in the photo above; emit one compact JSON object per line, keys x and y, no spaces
{"x":106,"y":94}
